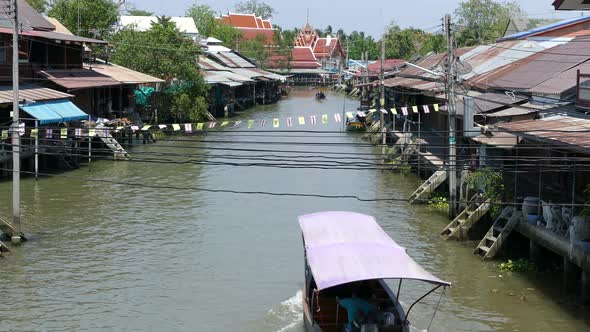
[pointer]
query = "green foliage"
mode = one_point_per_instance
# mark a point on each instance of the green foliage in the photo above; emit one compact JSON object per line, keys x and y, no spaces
{"x":520,"y":265}
{"x":490,"y":183}
{"x":39,"y":5}
{"x":438,"y":202}
{"x":164,"y":52}
{"x":96,"y":16}
{"x":484,"y":21}
{"x":208,"y":26}
{"x":255,"y":7}
{"x":410,"y":42}
{"x":359,"y":43}
{"x":139,"y":12}
{"x":256,"y":50}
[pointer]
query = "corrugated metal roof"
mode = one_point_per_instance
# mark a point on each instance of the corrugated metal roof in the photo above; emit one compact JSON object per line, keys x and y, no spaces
{"x":498,"y":139}
{"x":546,"y":28}
{"x":122,"y":74}
{"x":73,"y":79}
{"x":495,"y":56}
{"x":28,"y":17}
{"x":208,"y":64}
{"x":563,"y":83}
{"x":559,"y":130}
{"x":232,"y":60}
{"x":54,"y":36}
{"x":58,"y":26}
{"x":31,"y":93}
{"x":531,"y":71}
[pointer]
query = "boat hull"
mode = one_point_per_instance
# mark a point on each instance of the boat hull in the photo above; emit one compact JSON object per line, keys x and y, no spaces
{"x":355,"y":126}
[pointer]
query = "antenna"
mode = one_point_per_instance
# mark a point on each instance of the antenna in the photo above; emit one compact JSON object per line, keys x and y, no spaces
{"x":307,"y":16}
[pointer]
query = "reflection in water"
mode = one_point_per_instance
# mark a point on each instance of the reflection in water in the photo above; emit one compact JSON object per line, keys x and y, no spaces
{"x":115,"y":257}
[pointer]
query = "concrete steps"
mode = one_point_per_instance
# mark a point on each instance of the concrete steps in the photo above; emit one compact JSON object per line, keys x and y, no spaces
{"x":428,"y":186}
{"x":476,"y":209}
{"x":111,"y":143}
{"x":491,"y":243}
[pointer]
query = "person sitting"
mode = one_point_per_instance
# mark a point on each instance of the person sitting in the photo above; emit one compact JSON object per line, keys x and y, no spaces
{"x":357,"y":309}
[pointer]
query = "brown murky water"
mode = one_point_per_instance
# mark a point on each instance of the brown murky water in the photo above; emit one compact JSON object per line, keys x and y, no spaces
{"x":115,"y":257}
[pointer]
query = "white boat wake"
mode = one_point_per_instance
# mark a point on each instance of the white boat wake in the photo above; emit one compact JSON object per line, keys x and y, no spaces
{"x":289,"y":314}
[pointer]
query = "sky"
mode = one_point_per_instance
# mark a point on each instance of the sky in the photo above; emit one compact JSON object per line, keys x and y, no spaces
{"x":370,"y":16}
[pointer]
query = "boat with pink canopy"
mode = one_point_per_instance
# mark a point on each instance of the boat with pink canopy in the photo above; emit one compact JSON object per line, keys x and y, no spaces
{"x":348,"y":257}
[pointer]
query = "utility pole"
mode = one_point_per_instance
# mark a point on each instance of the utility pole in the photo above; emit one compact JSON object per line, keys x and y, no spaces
{"x":382,"y":97}
{"x":15,"y":237}
{"x":452,"y":109}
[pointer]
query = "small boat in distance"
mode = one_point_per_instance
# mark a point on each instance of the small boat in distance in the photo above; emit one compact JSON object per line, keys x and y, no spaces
{"x":320,"y":95}
{"x":348,"y":257}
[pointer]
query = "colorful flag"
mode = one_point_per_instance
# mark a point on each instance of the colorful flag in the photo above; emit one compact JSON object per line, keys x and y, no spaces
{"x":394,"y":111}
{"x":289,"y":122}
{"x":200,"y":126}
{"x":48,"y":133}
{"x":383,"y":111}
{"x":4,"y":134}
{"x":212,"y":125}
{"x":224,"y":123}
{"x":404,"y":110}
{"x":162,"y":126}
{"x":78,"y":132}
{"x":188,"y":127}
{"x":313,"y":120}
{"x":176,"y":127}
{"x":237,"y":124}
{"x":263,"y":123}
{"x":325,"y":119}
{"x":134,"y":128}
{"x":337,"y":117}
{"x":302,"y":121}
{"x":146,"y":127}
{"x":64,"y":133}
{"x":91,"y":132}
{"x":34,"y":133}
{"x":275,"y":123}
{"x":415,"y":109}
{"x":250,"y":123}
{"x":435,"y":107}
{"x":361,"y":114}
{"x":425,"y":108}
{"x":118,"y":128}
{"x":349,"y":115}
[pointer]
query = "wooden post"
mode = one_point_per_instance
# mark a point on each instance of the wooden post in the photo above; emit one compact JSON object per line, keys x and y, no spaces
{"x":571,"y":274}
{"x":534,"y":251}
{"x":37,"y":150}
{"x":585,"y":287}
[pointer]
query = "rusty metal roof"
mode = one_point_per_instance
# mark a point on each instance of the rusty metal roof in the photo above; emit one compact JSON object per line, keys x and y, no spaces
{"x":121,"y":74}
{"x":565,"y":131}
{"x":531,"y":71}
{"x":31,"y":93}
{"x":498,"y":139}
{"x":73,"y":79}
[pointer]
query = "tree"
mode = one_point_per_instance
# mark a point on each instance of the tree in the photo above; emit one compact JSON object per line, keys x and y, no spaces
{"x":164,"y":52}
{"x":133,"y":11}
{"x":484,"y":21}
{"x":96,"y":17}
{"x":359,"y":44}
{"x":255,"y":7}
{"x":256,"y":50}
{"x":400,"y":44}
{"x":39,"y":5}
{"x":209,"y":26}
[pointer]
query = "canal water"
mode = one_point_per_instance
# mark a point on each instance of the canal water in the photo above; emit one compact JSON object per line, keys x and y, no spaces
{"x":146,"y":256}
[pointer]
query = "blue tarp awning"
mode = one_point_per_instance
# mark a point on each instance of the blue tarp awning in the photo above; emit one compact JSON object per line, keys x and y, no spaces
{"x":54,"y":111}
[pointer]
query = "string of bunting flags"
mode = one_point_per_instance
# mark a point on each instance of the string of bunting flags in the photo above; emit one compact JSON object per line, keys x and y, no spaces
{"x":289,"y":122}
